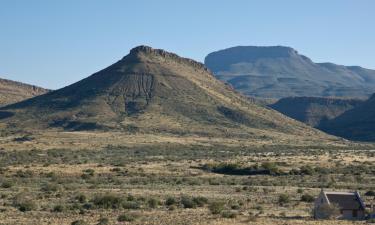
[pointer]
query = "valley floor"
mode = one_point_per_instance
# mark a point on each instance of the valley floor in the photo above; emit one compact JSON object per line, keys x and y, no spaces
{"x":173,"y":183}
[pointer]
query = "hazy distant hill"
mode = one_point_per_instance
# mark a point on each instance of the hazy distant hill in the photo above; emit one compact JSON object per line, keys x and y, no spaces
{"x":277,"y":72}
{"x":355,"y":124}
{"x":314,"y":110}
{"x":153,"y":91}
{"x":12,"y":91}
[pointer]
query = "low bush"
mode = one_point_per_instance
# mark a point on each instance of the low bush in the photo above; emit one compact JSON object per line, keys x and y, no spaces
{"x":187,"y":202}
{"x":170,"y":201}
{"x":127,"y":217}
{"x":216,"y":207}
{"x":108,"y":201}
{"x":307,"y":198}
{"x":79,"y":222}
{"x":283,"y":199}
{"x":153,"y":203}
{"x":103,"y":221}
{"x":229,"y":214}
{"x":6,"y":184}
{"x":58,"y":208}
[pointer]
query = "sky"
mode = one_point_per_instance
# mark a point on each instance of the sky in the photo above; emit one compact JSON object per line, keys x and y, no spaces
{"x":53,"y":43}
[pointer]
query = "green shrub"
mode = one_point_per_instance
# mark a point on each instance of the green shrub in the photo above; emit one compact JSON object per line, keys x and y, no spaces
{"x":153,"y":203}
{"x":170,"y":201}
{"x":229,"y":214}
{"x":27,"y":205}
{"x":327,"y":211}
{"x":283,"y":199}
{"x":50,"y":188}
{"x":216,"y":207}
{"x":370,"y":193}
{"x":79,"y":222}
{"x":130,"y":205}
{"x":307,"y":170}
{"x":24,"y":174}
{"x":127,"y":217}
{"x":24,"y":203}
{"x":6,"y":184}
{"x":58,"y":208}
{"x":200,"y":201}
{"x":81,"y":198}
{"x":108,"y":201}
{"x":103,"y":221}
{"x":307,"y":198}
{"x":188,"y":202}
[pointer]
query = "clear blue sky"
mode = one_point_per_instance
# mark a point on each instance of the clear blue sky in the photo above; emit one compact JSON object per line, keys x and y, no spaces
{"x":54,"y":43}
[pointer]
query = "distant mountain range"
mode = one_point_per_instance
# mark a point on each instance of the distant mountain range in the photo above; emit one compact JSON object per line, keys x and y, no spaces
{"x":153,"y":91}
{"x":278,"y":72}
{"x":12,"y":91}
{"x":314,"y":111}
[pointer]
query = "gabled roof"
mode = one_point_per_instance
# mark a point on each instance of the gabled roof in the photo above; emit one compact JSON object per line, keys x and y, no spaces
{"x":345,"y":200}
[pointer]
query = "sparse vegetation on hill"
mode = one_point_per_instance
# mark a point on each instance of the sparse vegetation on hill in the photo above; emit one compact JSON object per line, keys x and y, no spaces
{"x":12,"y":92}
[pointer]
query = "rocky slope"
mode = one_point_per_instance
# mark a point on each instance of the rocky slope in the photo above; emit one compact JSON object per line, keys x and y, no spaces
{"x":153,"y":91}
{"x":277,"y":72}
{"x":314,"y":110}
{"x":12,"y":91}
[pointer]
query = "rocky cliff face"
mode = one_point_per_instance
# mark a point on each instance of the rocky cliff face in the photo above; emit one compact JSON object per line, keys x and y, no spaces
{"x":277,"y":72}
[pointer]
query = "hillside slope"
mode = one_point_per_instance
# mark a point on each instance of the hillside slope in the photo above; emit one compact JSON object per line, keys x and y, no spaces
{"x":12,"y":91}
{"x":153,"y":91}
{"x":356,"y":124}
{"x":277,"y":72}
{"x":314,"y":110}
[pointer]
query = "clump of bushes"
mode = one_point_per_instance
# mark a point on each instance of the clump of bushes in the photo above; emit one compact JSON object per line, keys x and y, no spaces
{"x":153,"y":203}
{"x":307,"y":198}
{"x":266,"y":168}
{"x":127,"y":217}
{"x":113,"y":201}
{"x":58,"y":208}
{"x":103,"y":221}
{"x":229,"y":214}
{"x":24,"y":203}
{"x":109,"y":201}
{"x":50,"y":187}
{"x":170,"y":201}
{"x":283,"y":199}
{"x":216,"y":207}
{"x":193,"y":202}
{"x":328,"y":211}
{"x":79,"y":222}
{"x":87,"y":174}
{"x":6,"y":184}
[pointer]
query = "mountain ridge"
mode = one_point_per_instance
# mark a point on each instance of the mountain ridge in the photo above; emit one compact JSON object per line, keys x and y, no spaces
{"x":14,"y":91}
{"x":153,"y":91}
{"x":278,"y":71}
{"x":314,"y":110}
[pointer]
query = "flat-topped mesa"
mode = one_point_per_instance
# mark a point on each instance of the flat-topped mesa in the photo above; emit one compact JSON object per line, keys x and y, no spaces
{"x":165,"y":54}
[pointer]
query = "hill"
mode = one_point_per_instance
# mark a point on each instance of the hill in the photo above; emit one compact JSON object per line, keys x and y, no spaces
{"x":12,"y":91}
{"x":314,"y":110}
{"x":156,"y":92}
{"x":277,"y":72}
{"x":355,"y":124}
